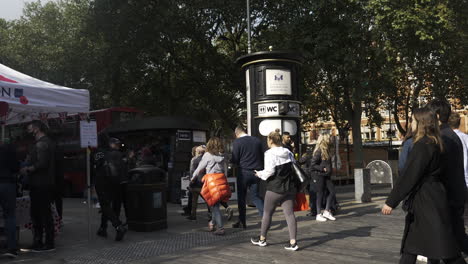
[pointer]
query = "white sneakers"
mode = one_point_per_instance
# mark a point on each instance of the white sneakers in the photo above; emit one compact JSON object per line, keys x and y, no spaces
{"x":320,"y":218}
{"x":422,"y":258}
{"x":328,"y":216}
{"x":325,"y":216}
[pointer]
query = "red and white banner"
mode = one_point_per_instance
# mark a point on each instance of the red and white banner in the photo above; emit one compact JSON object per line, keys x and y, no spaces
{"x":63,"y":116}
{"x":28,"y":96}
{"x":83,"y":116}
{"x":43,"y":116}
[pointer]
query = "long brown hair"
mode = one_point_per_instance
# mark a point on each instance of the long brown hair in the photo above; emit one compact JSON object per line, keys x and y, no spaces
{"x":409,"y":130}
{"x":427,"y":125}
{"x":215,"y":146}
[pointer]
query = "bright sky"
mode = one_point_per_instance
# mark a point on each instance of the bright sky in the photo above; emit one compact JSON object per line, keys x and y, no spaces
{"x":13,"y":9}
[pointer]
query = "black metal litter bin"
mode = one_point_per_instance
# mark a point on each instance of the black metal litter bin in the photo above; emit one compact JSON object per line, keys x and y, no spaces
{"x":146,"y":199}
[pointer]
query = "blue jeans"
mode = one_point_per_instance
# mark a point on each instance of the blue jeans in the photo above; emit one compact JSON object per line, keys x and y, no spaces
{"x":247,"y":180}
{"x":217,"y":218}
{"x":8,"y":204}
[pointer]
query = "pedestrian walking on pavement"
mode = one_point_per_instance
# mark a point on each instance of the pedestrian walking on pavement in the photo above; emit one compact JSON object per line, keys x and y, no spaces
{"x":195,"y":185}
{"x":305,"y":160}
{"x":211,"y":171}
{"x":110,"y":170}
{"x":454,"y":122}
{"x":41,"y":176}
{"x":9,"y":166}
{"x":247,"y":155}
{"x":281,"y":189}
{"x":407,"y":145}
{"x":321,"y":168}
{"x":428,"y":227}
{"x":453,"y":175}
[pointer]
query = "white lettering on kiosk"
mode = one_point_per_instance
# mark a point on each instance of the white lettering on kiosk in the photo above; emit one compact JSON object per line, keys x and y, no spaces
{"x":272,"y":109}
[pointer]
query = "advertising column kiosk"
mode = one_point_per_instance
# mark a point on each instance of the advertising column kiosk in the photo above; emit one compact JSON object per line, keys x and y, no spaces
{"x":274,"y":93}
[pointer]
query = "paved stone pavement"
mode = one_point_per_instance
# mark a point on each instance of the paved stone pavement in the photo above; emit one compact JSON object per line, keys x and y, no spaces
{"x":360,"y":235}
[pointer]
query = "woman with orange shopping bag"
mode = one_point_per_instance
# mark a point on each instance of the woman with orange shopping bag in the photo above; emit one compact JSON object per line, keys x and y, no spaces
{"x":215,"y":188}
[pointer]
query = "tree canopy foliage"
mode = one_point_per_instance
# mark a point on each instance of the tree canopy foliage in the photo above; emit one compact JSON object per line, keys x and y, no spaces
{"x":175,"y":57}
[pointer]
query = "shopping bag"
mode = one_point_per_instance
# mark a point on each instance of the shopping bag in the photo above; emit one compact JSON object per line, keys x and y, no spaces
{"x":301,"y":203}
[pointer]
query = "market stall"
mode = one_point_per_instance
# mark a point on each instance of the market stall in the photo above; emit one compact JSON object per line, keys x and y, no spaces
{"x":29,"y":98}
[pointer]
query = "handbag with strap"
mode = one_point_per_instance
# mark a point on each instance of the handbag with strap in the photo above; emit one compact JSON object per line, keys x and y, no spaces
{"x":301,"y":176}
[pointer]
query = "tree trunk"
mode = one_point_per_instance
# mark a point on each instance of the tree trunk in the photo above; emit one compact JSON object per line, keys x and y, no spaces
{"x":357,"y":139}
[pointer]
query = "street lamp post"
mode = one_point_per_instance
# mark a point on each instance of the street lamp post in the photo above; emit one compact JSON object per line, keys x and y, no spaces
{"x":249,"y":47}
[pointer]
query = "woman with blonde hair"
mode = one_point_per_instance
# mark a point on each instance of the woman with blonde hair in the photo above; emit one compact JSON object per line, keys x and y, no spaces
{"x":428,"y":227}
{"x":321,"y":167}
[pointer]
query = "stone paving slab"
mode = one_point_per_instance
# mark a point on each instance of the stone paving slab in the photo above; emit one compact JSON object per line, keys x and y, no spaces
{"x":360,"y":235}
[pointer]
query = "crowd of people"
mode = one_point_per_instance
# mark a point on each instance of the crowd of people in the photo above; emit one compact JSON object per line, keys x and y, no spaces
{"x":264,"y":172}
{"x":42,"y":174}
{"x":432,"y":185}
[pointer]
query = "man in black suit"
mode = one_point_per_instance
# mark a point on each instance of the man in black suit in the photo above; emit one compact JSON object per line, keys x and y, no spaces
{"x":453,"y":176}
{"x":247,"y":155}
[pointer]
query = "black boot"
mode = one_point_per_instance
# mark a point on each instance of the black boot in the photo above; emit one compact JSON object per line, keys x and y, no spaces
{"x":102,"y":232}
{"x":37,"y":244}
{"x":120,"y":232}
{"x":239,"y":225}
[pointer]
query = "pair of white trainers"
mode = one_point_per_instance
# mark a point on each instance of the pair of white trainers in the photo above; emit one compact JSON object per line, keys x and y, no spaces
{"x":325,"y":217}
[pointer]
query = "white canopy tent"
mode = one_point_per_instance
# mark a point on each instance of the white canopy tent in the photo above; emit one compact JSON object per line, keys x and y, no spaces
{"x":29,"y":98}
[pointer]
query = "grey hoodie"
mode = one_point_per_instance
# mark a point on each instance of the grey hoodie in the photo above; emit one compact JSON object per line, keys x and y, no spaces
{"x":209,"y":164}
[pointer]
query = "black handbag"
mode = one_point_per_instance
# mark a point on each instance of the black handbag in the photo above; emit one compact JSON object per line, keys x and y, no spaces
{"x":301,"y":177}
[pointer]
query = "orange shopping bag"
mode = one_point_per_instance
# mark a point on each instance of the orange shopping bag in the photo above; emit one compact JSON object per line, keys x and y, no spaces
{"x":301,"y":203}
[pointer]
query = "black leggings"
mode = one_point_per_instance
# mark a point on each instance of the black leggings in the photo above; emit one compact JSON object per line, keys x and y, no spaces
{"x":322,"y":183}
{"x":407,"y":258}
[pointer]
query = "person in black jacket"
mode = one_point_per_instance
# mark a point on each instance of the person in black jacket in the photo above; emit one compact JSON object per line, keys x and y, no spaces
{"x":305,"y":160}
{"x":247,"y":155}
{"x":428,"y":227}
{"x":41,"y":174}
{"x":110,"y":171}
{"x":282,"y":185}
{"x":9,"y":165}
{"x":452,"y":170}
{"x":321,"y":168}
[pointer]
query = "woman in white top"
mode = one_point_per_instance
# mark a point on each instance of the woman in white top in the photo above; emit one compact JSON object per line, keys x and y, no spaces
{"x":281,"y":189}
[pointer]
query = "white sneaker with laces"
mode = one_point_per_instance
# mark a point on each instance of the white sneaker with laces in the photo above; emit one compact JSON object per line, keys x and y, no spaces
{"x":320,"y":218}
{"x":292,"y":247}
{"x":329,"y":216}
{"x":422,"y":258}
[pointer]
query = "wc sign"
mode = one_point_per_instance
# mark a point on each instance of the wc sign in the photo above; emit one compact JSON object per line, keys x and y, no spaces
{"x":272,"y":109}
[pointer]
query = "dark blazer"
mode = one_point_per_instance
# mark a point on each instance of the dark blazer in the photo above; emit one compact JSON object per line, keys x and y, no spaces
{"x":428,"y":229}
{"x":453,"y":174}
{"x":247,"y":153}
